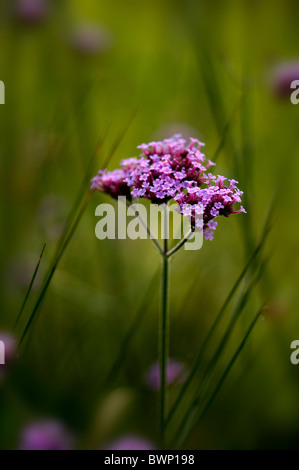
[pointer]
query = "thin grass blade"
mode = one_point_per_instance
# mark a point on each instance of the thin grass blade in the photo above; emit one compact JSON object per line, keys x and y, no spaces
{"x":54,"y":266}
{"x":219,"y":316}
{"x":196,"y":420}
{"x":30,"y":285}
{"x":207,"y":376}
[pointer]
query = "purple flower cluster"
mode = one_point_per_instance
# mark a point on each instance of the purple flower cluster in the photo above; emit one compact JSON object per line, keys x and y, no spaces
{"x":171,"y":169}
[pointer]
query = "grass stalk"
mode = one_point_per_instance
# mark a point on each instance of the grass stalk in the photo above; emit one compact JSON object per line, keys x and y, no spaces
{"x":30,"y":286}
{"x":196,"y":419}
{"x":54,"y":265}
{"x":250,"y":263}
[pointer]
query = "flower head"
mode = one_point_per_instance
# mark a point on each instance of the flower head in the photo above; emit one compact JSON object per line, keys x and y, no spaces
{"x":173,"y":169}
{"x":111,"y":182}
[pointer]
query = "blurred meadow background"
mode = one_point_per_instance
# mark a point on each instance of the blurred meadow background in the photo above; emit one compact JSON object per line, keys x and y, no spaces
{"x":85,"y":83}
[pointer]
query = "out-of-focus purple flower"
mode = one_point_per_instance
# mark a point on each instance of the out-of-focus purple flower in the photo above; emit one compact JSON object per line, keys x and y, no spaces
{"x":282,"y":77}
{"x":31,"y":11}
{"x":90,"y":40}
{"x":175,"y":373}
{"x":46,"y":435}
{"x":130,"y":443}
{"x":171,"y":169}
{"x":8,"y":347}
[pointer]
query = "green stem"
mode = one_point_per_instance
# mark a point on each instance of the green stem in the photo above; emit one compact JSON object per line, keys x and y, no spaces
{"x":179,"y":245}
{"x":148,"y":230}
{"x":164,"y":333}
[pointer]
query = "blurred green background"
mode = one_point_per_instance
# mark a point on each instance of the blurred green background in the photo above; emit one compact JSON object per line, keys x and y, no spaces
{"x":147,"y":70}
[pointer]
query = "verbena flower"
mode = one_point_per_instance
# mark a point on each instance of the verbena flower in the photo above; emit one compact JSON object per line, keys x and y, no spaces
{"x":171,"y":169}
